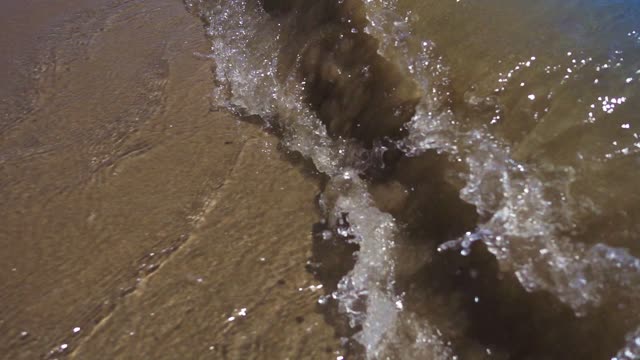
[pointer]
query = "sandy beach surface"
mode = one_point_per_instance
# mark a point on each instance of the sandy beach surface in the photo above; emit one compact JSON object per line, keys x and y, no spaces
{"x":136,"y":221}
{"x":292,"y":179}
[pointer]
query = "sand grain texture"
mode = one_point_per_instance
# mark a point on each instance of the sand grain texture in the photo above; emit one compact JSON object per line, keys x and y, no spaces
{"x":134,"y":212}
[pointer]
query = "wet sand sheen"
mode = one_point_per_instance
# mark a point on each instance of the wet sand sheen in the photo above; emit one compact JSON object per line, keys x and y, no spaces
{"x":136,"y":221}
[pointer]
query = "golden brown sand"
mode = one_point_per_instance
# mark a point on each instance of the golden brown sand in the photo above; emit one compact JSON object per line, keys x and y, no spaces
{"x":136,"y":222}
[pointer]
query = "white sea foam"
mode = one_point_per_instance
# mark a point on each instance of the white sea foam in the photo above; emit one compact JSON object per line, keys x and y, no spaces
{"x":631,"y":351}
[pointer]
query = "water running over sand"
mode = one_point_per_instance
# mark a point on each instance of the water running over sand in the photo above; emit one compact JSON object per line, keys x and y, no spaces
{"x":484,"y":169}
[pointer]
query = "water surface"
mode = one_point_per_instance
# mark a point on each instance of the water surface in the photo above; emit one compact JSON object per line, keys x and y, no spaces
{"x":334,"y":179}
{"x":481,"y":156}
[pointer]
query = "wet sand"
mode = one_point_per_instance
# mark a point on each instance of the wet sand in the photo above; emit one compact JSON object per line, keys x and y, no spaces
{"x":137,"y":222}
{"x":463,"y":211}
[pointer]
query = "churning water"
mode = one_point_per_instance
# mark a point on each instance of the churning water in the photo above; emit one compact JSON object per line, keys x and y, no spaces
{"x":480,"y":158}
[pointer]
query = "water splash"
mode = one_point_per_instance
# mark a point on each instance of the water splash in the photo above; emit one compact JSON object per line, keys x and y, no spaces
{"x":527,"y":210}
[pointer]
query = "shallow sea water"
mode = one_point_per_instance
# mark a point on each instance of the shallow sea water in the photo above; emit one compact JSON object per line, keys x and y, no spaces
{"x":480,"y":161}
{"x":339,"y":179}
